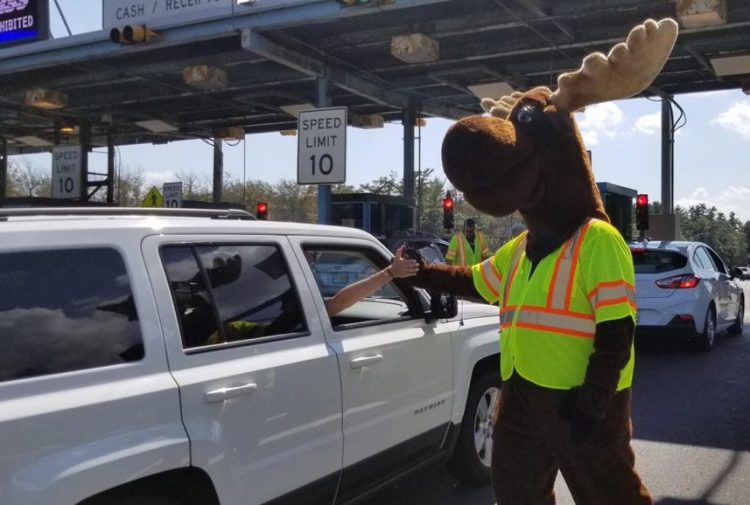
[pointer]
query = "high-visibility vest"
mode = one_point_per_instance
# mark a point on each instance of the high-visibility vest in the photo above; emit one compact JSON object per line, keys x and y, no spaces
{"x":548,"y":317}
{"x":461,"y":253}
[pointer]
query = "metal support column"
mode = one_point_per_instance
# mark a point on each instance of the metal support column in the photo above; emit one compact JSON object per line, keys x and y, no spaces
{"x":667,"y":156}
{"x":324,"y":99}
{"x":218,"y":170}
{"x":3,"y":168}
{"x":85,"y":139}
{"x":110,"y":170}
{"x":409,"y":120}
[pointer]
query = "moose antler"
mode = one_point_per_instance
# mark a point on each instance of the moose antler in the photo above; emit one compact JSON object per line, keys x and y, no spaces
{"x":629,"y":68}
{"x":501,"y":108}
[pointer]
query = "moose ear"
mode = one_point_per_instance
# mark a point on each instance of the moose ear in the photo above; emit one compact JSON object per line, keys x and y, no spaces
{"x":629,"y":68}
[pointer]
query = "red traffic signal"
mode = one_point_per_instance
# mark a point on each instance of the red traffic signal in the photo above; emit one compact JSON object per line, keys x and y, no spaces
{"x":261,"y":211}
{"x":448,"y":220}
{"x":641,"y":212}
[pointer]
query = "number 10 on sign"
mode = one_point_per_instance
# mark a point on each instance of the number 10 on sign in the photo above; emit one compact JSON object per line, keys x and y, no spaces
{"x":321,"y":148}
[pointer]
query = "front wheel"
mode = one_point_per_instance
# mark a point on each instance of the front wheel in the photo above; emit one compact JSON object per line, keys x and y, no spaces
{"x":471,"y":460}
{"x":707,"y":338}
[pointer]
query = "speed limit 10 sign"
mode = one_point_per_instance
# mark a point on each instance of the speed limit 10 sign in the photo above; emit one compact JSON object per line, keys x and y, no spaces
{"x":321,"y":148}
{"x":66,"y":172}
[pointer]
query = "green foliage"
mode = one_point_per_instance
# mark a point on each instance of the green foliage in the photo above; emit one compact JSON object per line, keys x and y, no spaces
{"x":727,"y":235}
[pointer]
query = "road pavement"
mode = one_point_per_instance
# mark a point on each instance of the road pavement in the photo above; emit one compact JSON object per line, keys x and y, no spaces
{"x":691,"y":418}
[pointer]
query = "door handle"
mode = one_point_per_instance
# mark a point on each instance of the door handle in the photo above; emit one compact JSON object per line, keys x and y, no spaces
{"x":227,"y":393}
{"x":363,"y":361}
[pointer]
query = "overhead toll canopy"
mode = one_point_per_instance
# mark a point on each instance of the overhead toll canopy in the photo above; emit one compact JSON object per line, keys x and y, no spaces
{"x":246,"y":65}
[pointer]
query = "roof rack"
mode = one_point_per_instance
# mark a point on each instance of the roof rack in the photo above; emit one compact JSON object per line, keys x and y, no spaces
{"x":5,"y":213}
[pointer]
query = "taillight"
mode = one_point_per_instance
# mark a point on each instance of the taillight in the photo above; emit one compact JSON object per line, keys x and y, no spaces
{"x":686,"y":281}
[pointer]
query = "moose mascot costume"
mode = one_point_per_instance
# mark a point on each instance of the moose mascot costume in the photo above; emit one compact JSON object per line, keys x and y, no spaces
{"x":565,"y":287}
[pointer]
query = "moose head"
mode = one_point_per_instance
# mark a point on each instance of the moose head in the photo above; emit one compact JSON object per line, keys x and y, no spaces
{"x":528,"y":154}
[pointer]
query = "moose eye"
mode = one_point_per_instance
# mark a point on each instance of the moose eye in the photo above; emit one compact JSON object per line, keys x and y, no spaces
{"x":526,"y":114}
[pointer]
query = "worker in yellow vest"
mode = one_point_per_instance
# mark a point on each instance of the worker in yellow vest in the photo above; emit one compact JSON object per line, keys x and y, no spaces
{"x":468,"y":246}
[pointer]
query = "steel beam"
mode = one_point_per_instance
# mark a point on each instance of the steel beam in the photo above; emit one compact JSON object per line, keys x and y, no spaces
{"x":323,"y":99}
{"x":370,"y":88}
{"x":110,"y":169}
{"x":218,"y":182}
{"x":3,"y":168}
{"x":667,"y":156}
{"x":409,"y":120}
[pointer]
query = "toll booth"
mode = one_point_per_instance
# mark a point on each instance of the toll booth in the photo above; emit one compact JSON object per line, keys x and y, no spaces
{"x":618,"y":202}
{"x":381,"y":215}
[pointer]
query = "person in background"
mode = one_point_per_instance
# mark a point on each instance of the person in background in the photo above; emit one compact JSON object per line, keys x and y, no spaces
{"x":468,"y":246}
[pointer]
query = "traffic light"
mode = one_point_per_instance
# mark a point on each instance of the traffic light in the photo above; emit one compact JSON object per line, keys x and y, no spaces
{"x":261,"y":211}
{"x":641,"y":212}
{"x":448,"y":219}
{"x":132,"y":34}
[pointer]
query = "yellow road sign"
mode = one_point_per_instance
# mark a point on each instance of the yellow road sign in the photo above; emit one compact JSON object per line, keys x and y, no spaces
{"x":153,"y":198}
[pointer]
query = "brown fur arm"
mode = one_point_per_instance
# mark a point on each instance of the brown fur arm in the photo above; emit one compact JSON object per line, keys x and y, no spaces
{"x":438,"y":278}
{"x":612,"y":345}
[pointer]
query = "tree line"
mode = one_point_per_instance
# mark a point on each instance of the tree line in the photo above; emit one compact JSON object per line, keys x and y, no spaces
{"x":288,"y":201}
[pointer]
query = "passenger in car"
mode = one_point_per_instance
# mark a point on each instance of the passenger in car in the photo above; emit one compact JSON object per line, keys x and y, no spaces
{"x":401,"y":267}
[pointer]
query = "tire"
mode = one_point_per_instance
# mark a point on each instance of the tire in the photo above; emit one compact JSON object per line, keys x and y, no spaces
{"x":471,"y":459}
{"x":739,"y":323}
{"x":707,"y":338}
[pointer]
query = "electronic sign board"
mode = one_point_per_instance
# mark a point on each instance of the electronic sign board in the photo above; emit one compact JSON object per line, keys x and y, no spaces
{"x":23,"y":21}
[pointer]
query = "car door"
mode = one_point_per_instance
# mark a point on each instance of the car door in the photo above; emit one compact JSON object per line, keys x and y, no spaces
{"x":396,"y":369}
{"x":259,"y":386}
{"x":718,"y":283}
{"x":732,"y":290}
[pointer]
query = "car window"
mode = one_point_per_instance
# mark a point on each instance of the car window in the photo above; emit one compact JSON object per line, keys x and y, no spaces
{"x":336,"y":268}
{"x":703,"y":259}
{"x":65,"y":310}
{"x":653,"y":261}
{"x":231,"y":293}
{"x":717,"y":261}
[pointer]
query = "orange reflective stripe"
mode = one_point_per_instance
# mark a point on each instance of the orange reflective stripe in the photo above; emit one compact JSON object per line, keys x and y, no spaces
{"x":514,"y":267}
{"x":461,"y":249}
{"x":554,"y":288}
{"x":491,"y":277}
{"x":612,"y":293}
{"x":574,"y":264}
{"x":554,"y":321}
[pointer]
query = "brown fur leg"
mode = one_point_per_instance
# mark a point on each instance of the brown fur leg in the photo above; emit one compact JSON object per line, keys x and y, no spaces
{"x":602,"y":471}
{"x":523,"y":467}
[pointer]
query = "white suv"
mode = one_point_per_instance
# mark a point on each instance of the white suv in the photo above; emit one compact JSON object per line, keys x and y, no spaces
{"x":186,"y":357}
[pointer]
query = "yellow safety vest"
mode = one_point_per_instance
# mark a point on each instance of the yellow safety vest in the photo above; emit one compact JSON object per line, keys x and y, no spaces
{"x":461,"y":253}
{"x":548,"y":317}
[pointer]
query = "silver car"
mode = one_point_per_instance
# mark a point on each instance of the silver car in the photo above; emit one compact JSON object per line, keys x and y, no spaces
{"x":685,"y":289}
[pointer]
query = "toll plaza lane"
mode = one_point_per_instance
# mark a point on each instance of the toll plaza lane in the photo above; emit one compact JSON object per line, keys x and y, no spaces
{"x":691,"y":419}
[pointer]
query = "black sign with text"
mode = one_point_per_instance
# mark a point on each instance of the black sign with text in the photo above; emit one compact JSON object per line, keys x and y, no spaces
{"x":23,"y":21}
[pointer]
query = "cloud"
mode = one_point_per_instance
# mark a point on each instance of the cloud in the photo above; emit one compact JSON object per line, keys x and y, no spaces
{"x":650,"y":124}
{"x":736,"y":119}
{"x":733,"y":199}
{"x":158,"y":178}
{"x":599,"y":121}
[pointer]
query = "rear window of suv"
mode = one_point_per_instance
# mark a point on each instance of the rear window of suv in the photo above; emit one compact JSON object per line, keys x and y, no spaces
{"x":65,"y":310}
{"x":651,"y":261}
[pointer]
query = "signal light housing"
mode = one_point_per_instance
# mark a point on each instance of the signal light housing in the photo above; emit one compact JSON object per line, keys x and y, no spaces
{"x":261,"y":211}
{"x":132,"y":34}
{"x":448,"y":207}
{"x":641,"y":212}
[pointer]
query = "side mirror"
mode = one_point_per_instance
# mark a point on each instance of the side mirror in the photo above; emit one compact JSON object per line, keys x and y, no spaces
{"x":443,"y":306}
{"x":735,"y":272}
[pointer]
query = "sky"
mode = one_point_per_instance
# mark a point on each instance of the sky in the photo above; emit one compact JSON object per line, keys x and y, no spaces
{"x":711,"y":154}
